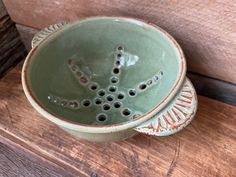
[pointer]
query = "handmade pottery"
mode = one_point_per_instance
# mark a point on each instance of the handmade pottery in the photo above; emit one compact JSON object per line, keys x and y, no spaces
{"x":109,"y":78}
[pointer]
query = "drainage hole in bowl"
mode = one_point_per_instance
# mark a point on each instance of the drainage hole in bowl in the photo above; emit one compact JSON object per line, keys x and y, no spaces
{"x":112,"y":89}
{"x":83,"y":80}
{"x":63,"y":103}
{"x":118,"y":62}
{"x":97,"y":101}
{"x":110,"y":97}
{"x":101,"y":117}
{"x":149,"y":82}
{"x":142,"y":86}
{"x":119,"y":55}
{"x":86,"y":103}
{"x":106,"y":107}
{"x":70,"y":61}
{"x":74,"y":68}
{"x":50,"y":98}
{"x":101,"y":92}
{"x":56,"y":100}
{"x":126,"y":112}
{"x":117,"y":104}
{"x":114,"y":80}
{"x":78,"y":73}
{"x":120,"y":48}
{"x":155,"y":78}
{"x":93,"y":86}
{"x":121,"y":96}
{"x":116,"y":71}
{"x":73,"y":104}
{"x":132,"y":92}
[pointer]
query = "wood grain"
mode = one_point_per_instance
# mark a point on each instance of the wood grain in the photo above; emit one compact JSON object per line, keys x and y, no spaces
{"x":3,"y":11}
{"x":15,"y":161}
{"x":205,"y":29}
{"x":206,"y":148}
{"x":11,"y":48}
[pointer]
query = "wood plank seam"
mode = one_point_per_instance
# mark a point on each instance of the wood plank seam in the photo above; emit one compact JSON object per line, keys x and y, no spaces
{"x":9,"y":138}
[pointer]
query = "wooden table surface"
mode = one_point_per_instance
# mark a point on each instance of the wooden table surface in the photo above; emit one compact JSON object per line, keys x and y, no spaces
{"x":30,"y":145}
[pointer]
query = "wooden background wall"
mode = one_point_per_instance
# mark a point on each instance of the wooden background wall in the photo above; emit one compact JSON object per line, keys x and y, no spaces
{"x":12,"y":49}
{"x":206,"y":30}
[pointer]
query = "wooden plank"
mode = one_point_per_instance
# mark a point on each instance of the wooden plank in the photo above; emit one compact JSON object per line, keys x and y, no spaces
{"x":3,"y":11}
{"x":11,"y":48}
{"x":213,"y":88}
{"x":16,"y":161}
{"x":205,"y":29}
{"x":207,"y":147}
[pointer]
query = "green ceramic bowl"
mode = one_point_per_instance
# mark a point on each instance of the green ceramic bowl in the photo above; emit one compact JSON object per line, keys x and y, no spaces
{"x":107,"y":78}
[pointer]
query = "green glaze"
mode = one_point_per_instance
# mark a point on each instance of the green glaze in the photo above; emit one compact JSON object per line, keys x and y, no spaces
{"x":91,"y":44}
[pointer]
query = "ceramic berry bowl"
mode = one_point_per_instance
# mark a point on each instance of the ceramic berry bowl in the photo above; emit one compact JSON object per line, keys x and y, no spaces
{"x":109,"y":78}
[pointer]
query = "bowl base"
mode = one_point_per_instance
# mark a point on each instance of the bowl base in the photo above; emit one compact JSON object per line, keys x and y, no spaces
{"x":103,"y":137}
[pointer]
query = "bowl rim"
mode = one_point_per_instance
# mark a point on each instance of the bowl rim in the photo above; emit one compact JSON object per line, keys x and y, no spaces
{"x":114,"y":127}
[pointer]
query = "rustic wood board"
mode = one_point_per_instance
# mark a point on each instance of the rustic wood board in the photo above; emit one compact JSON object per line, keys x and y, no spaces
{"x":12,"y":49}
{"x":205,"y":29}
{"x":15,"y":161}
{"x":207,"y":147}
{"x":3,"y":11}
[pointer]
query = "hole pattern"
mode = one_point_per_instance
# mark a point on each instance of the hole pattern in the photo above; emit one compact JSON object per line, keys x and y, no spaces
{"x":150,"y":82}
{"x":78,"y":73}
{"x":113,"y":99}
{"x":117,"y":64}
{"x":71,"y":104}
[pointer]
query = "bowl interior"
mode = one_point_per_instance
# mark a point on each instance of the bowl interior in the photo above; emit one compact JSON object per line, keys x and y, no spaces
{"x":103,"y":71}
